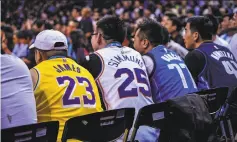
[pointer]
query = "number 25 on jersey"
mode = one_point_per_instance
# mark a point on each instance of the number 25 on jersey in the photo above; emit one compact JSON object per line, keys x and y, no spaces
{"x":137,"y":75}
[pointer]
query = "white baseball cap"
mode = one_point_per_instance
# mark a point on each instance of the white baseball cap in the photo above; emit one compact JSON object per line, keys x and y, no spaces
{"x":46,"y":40}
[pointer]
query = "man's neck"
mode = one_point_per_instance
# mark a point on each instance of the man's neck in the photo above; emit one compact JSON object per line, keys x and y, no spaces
{"x":148,"y":49}
{"x":174,"y":34}
{"x":197,"y":44}
{"x":214,"y":37}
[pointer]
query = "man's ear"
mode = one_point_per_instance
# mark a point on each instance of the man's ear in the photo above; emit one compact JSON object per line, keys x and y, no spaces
{"x":40,"y":55}
{"x":99,"y":39}
{"x":195,"y":36}
{"x":174,"y":28}
{"x":145,"y":43}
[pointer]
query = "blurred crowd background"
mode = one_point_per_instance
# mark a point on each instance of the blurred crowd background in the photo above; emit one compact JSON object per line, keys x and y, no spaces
{"x":22,"y":20}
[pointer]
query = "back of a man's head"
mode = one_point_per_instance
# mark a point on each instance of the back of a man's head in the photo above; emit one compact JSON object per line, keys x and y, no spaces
{"x":170,"y":14}
{"x":112,"y":28}
{"x":215,"y":23}
{"x":39,"y":23}
{"x":176,"y":22}
{"x":151,"y":30}
{"x":165,"y":36}
{"x":25,"y":34}
{"x":230,"y":15}
{"x":202,"y":25}
{"x":6,"y":29}
{"x":77,"y":8}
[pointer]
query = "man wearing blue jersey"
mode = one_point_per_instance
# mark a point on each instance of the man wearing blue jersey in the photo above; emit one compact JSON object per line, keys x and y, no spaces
{"x":211,"y":65}
{"x":169,"y":76}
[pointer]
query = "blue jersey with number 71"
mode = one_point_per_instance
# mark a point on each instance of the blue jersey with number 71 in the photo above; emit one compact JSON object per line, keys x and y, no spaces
{"x":170,"y":77}
{"x":220,"y":69}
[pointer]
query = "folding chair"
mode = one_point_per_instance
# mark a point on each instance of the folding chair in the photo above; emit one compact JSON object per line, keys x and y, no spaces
{"x":154,"y":115}
{"x":101,"y":126}
{"x":229,"y":109}
{"x":39,"y":132}
{"x":215,"y":99}
{"x":172,"y":115}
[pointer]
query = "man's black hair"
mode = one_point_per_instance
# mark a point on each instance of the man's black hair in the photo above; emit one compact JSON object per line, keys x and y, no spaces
{"x":170,"y":14}
{"x":6,"y":29}
{"x":215,"y":23}
{"x":39,"y":23}
{"x":25,"y":34}
{"x":229,"y":15}
{"x":9,"y":36}
{"x":190,"y":11}
{"x":151,"y":30}
{"x":78,"y":8}
{"x":202,"y":25}
{"x":176,"y":22}
{"x":220,"y":19}
{"x":112,"y":28}
{"x":78,"y":39}
{"x":165,"y":34}
{"x":48,"y":26}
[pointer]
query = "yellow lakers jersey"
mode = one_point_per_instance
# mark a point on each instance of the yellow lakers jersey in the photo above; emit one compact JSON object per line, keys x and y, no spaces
{"x":64,"y":90}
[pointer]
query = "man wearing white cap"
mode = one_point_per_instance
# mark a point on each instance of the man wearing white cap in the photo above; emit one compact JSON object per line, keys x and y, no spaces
{"x":63,"y":89}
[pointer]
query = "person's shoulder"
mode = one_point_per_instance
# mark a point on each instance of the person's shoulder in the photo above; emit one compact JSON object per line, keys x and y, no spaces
{"x":235,"y":36}
{"x":92,"y":59}
{"x":93,"y":56}
{"x":194,"y":54}
{"x":85,"y":72}
{"x":205,"y":45}
{"x":12,"y":60}
{"x":8,"y":57}
{"x":129,"y":49}
{"x":221,"y":41}
{"x":234,"y":39}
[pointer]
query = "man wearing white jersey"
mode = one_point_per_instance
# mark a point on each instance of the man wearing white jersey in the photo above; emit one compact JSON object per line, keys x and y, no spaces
{"x":119,"y":71}
{"x":215,"y":38}
{"x":17,"y":98}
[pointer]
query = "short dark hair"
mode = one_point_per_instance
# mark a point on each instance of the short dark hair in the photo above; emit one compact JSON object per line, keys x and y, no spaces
{"x":112,"y":28}
{"x":220,"y":19}
{"x":190,"y":11}
{"x":151,"y":30}
{"x":39,"y":23}
{"x":48,"y":26}
{"x":170,"y":14}
{"x":166,"y":37}
{"x":215,"y":23}
{"x":229,"y":15}
{"x":77,"y":8}
{"x":176,"y":22}
{"x":25,"y":34}
{"x":9,"y":36}
{"x":78,"y":39}
{"x":202,"y":25}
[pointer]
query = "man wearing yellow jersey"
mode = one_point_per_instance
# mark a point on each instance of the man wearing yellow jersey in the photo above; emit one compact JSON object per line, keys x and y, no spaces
{"x":63,"y":89}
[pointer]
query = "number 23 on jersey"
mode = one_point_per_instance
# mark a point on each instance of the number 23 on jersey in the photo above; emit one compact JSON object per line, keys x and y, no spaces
{"x":68,"y":100}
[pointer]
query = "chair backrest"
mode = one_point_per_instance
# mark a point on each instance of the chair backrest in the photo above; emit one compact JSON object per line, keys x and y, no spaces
{"x":154,"y":115}
{"x":39,"y":132}
{"x":232,"y":99}
{"x":101,"y":126}
{"x":214,"y":98}
{"x":187,"y":112}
